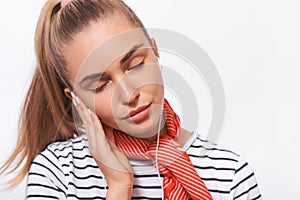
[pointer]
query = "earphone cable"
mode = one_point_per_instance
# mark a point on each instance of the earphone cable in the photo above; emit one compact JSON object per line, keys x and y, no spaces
{"x":156,"y":155}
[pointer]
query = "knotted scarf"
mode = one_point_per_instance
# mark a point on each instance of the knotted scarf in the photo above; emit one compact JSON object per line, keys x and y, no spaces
{"x":180,"y":179}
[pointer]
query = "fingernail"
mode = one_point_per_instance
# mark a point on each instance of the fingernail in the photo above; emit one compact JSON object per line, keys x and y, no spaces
{"x":72,"y":94}
{"x":89,"y":111}
{"x":74,"y":102}
{"x":77,"y":99}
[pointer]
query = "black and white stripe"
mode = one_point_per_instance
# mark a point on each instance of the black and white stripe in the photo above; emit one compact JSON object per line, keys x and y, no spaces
{"x":66,"y":170}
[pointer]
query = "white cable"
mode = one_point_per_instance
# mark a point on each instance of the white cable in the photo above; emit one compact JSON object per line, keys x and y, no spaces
{"x":156,"y":155}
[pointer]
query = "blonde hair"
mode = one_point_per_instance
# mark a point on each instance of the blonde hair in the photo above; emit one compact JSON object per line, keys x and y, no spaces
{"x":46,"y":114}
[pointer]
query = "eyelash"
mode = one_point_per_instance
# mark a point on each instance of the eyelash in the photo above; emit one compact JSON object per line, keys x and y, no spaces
{"x":99,"y":89}
{"x":138,"y":65}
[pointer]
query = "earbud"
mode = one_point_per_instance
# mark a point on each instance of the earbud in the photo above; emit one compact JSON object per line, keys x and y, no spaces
{"x":159,"y":64}
{"x":160,"y":67}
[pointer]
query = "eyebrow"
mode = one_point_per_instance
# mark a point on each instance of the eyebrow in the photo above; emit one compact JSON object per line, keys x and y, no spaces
{"x":130,"y":52}
{"x":123,"y":60}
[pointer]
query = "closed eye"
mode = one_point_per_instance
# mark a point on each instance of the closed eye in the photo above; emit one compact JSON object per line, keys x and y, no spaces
{"x":100,"y":88}
{"x":137,"y":66}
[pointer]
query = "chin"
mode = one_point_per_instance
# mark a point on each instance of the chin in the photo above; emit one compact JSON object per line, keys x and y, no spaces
{"x":146,"y":128}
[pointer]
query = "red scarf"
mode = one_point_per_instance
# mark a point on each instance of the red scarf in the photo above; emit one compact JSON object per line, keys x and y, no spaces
{"x":181,"y":180}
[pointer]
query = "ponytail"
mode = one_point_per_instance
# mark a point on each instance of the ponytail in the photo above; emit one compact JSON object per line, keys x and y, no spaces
{"x":46,"y":114}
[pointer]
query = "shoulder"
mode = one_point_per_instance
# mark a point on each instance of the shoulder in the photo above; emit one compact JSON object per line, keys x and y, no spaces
{"x":51,"y":171}
{"x":62,"y":151}
{"x":66,"y":169}
{"x":68,"y":145}
{"x":224,"y":171}
{"x":54,"y":161}
{"x":59,"y":154}
{"x":205,"y":149}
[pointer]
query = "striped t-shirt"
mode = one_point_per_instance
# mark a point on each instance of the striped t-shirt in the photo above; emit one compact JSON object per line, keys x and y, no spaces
{"x":66,"y":170}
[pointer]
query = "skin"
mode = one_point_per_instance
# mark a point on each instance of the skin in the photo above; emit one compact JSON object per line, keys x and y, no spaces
{"x":126,"y":89}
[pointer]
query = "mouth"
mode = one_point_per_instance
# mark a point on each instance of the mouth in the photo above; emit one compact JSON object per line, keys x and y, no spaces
{"x":138,"y":114}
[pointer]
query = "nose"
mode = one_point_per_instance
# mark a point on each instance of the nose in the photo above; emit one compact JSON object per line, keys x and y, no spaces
{"x":128,"y":94}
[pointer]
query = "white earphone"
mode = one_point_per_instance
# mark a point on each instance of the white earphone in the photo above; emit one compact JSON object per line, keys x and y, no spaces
{"x":156,"y":154}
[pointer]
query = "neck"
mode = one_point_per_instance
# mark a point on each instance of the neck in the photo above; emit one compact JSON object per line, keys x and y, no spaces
{"x":184,"y":135}
{"x":163,"y":131}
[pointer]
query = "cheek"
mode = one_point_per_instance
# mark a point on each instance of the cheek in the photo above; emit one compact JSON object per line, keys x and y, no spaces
{"x":103,"y":108}
{"x":155,"y":90}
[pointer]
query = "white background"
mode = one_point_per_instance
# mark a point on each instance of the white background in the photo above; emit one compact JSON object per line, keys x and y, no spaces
{"x":255,"y":46}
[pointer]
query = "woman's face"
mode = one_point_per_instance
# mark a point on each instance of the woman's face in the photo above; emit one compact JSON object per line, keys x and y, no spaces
{"x":114,"y":70}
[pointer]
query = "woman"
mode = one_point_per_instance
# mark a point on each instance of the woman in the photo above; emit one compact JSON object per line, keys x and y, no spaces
{"x":95,"y":58}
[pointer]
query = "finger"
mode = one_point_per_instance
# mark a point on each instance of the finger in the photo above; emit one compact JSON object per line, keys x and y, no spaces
{"x":99,"y":131}
{"x":100,"y":136}
{"x":77,"y":102}
{"x":97,"y":134}
{"x":85,"y":117}
{"x":90,"y":118}
{"x":113,"y":157}
{"x":98,"y":144}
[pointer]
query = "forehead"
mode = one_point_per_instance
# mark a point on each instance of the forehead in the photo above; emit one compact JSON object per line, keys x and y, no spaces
{"x":100,"y":44}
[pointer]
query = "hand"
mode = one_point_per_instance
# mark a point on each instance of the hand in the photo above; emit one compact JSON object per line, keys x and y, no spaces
{"x":112,"y":162}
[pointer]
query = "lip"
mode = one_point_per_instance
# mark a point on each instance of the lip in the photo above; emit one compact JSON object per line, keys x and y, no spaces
{"x":139,"y":113}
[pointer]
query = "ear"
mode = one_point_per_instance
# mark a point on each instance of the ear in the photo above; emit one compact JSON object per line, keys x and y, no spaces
{"x":67,"y":92}
{"x":155,"y":49}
